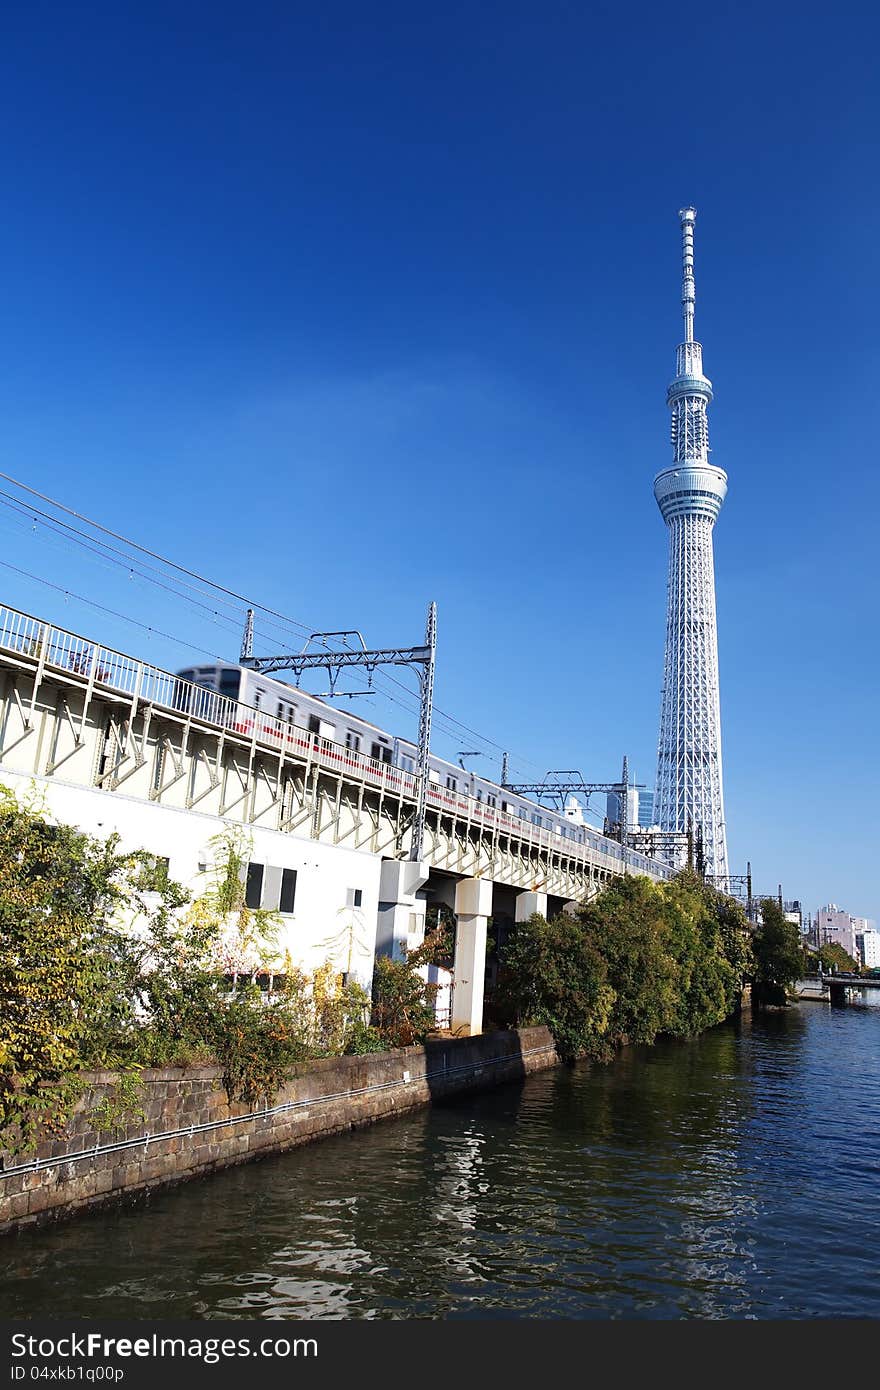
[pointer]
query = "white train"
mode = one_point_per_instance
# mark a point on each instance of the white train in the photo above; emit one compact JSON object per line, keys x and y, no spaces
{"x":286,"y":714}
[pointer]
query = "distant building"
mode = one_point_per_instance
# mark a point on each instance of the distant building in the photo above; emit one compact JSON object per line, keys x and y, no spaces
{"x":868,"y":943}
{"x":794,"y":912}
{"x":836,"y":927}
{"x":646,"y":809}
{"x":574,"y":811}
{"x":612,"y":808}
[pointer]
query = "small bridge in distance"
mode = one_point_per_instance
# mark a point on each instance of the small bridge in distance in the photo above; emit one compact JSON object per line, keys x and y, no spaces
{"x":840,"y":989}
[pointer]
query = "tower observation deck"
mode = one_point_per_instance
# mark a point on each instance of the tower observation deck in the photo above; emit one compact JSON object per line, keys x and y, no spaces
{"x":689,"y":495}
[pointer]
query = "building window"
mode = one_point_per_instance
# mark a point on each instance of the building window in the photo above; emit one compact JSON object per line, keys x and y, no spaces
{"x":253,"y":893}
{"x":152,"y":872}
{"x":288,"y":890}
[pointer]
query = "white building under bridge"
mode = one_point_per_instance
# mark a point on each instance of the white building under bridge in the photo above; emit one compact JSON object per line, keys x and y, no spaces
{"x":115,"y":744}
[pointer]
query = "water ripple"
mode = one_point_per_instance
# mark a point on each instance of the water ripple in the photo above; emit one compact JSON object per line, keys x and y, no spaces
{"x":732,"y":1176}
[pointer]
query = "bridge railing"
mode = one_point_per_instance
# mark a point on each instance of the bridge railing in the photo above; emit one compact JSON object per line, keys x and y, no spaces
{"x":100,"y":666}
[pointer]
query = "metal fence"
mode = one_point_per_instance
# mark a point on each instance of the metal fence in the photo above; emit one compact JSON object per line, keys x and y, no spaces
{"x":103,"y":668}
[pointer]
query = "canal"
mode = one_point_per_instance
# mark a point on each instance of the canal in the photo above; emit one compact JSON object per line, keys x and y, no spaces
{"x":735,"y":1176}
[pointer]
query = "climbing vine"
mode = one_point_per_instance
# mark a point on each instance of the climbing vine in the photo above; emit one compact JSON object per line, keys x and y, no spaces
{"x":106,"y":962}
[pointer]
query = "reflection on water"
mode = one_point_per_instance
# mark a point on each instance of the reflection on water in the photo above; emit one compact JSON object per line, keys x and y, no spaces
{"x":732,"y":1176}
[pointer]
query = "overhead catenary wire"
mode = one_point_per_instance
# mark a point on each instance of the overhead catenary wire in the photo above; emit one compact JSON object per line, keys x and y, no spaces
{"x":124,"y":564}
{"x":445,"y":723}
{"x":102,"y":608}
{"x":66,"y":536}
{"x":145,"y":550}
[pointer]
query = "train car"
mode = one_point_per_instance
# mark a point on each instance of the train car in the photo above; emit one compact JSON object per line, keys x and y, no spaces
{"x":237,"y":696}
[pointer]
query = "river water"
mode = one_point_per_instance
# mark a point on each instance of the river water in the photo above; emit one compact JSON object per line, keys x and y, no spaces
{"x":734,"y":1176}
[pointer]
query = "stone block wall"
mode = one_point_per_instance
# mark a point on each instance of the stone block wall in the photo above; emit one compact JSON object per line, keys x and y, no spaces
{"x":188,"y":1126}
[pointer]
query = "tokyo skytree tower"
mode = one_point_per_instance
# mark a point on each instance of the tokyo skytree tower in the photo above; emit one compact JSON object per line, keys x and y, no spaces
{"x":689,"y":495}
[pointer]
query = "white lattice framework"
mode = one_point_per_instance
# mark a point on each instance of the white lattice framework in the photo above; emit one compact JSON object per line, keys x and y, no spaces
{"x":689,"y":494}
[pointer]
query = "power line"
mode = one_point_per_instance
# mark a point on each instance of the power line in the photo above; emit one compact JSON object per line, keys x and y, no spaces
{"x":286,"y":625}
{"x":145,"y":550}
{"x":70,"y":593}
{"x":107,"y":558}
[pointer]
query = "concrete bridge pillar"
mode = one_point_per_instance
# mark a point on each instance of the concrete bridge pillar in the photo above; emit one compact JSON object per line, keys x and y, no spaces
{"x":527,"y":904}
{"x":401,"y":923}
{"x":473,"y":907}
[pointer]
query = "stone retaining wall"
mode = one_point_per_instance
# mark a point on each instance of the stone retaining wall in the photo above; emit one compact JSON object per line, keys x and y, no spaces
{"x":189,"y":1128}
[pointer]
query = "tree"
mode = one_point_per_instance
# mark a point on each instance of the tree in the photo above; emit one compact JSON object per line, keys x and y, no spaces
{"x":106,"y":962}
{"x":778,"y":955}
{"x":708,"y":983}
{"x":628,"y":924}
{"x":832,"y":956}
{"x":641,"y":959}
{"x":553,"y":973}
{"x":67,"y":968}
{"x":403,"y":1002}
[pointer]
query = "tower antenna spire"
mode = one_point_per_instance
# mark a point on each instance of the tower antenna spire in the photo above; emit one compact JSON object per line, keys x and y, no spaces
{"x":688,"y":290}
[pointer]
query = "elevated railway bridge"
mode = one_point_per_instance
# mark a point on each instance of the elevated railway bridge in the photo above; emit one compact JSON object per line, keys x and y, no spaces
{"x":115,"y":743}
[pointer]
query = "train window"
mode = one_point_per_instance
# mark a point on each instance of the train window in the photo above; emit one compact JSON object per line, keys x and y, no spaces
{"x":491,"y":799}
{"x":380,"y":752}
{"x":281,"y":709}
{"x":407,"y":763}
{"x":354,"y":897}
{"x":229,"y":683}
{"x":479,"y":793}
{"x":314,"y":724}
{"x":254,"y":887}
{"x":288,"y":890}
{"x":353,"y":741}
{"x":258,"y":695}
{"x":452,"y":784}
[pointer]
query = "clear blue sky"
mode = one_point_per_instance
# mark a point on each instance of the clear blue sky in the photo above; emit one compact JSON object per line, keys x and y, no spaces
{"x":351,"y":307}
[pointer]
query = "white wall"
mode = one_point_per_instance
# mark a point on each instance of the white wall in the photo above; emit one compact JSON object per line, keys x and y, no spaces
{"x":321,"y":926}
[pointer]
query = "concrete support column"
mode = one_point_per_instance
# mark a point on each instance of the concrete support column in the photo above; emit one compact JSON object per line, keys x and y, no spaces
{"x":527,"y":904}
{"x":401,"y":922}
{"x":473,"y":908}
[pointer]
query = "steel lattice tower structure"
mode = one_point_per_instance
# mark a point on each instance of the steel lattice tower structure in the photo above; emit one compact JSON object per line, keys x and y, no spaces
{"x":689,"y":495}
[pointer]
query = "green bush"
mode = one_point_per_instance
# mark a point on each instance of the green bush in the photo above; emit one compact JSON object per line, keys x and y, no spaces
{"x":641,"y":959}
{"x":779,"y":957}
{"x":106,"y":962}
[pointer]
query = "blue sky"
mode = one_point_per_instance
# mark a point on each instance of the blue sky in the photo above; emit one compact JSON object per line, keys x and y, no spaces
{"x":356,"y":309}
